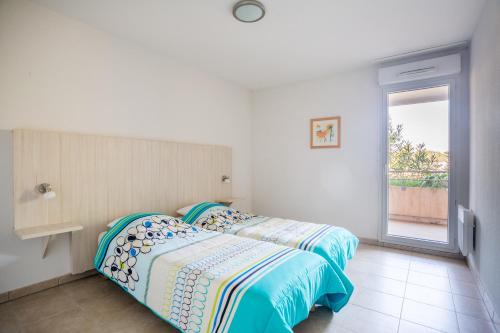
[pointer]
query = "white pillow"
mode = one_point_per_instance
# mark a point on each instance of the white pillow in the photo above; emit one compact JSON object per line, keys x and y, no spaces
{"x":112,"y":223}
{"x":184,"y":210}
{"x":101,"y":235}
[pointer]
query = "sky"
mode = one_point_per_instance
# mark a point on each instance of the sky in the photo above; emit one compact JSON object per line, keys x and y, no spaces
{"x":424,"y":122}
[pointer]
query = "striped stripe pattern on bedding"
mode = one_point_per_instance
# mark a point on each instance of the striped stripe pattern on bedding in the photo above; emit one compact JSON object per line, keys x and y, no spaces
{"x":201,"y":281}
{"x":335,"y":244}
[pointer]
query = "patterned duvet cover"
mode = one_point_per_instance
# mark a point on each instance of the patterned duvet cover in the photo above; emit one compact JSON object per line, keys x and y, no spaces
{"x":204,"y":281}
{"x":335,"y":244}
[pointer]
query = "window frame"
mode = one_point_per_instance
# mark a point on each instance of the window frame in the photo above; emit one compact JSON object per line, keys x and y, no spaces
{"x":458,"y":190}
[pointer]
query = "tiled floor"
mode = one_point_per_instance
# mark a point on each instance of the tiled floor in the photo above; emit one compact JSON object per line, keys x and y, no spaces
{"x":436,"y":232}
{"x":396,"y":291}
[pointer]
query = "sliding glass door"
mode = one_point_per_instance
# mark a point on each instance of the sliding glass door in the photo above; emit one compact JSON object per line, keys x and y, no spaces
{"x":418,"y":189}
{"x":418,"y":163}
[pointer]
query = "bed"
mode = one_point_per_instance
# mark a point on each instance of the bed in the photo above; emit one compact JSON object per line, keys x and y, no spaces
{"x":204,"y":281}
{"x":335,"y":244}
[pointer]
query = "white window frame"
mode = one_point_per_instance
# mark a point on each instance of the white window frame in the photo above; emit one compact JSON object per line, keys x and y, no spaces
{"x":458,"y":187}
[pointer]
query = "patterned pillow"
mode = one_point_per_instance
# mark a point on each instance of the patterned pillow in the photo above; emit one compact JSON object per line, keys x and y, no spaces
{"x":139,"y":239}
{"x":222,"y":219}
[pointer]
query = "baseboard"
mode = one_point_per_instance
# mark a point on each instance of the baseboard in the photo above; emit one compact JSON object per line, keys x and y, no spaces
{"x":494,"y":313}
{"x":43,"y":285}
{"x":370,"y":241}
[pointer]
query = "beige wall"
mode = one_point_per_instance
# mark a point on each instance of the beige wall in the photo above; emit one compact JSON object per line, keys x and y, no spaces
{"x":333,"y":186}
{"x":59,"y":74}
{"x":485,"y":150}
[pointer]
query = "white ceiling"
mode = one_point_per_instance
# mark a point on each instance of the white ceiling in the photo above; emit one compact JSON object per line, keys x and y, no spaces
{"x":296,"y":40}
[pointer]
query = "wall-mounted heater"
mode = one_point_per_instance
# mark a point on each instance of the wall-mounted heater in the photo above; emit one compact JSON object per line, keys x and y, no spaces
{"x":465,"y":230}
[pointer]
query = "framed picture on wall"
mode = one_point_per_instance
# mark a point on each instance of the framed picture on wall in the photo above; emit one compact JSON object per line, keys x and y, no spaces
{"x":325,"y":132}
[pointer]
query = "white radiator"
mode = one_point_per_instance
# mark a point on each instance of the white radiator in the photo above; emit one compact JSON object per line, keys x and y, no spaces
{"x":465,"y":229}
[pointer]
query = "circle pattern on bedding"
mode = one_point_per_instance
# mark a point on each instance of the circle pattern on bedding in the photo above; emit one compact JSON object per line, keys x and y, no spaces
{"x":223,"y":219}
{"x":140,"y":239}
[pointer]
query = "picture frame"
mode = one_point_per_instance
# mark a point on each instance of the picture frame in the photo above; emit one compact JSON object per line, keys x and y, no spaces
{"x":325,"y":132}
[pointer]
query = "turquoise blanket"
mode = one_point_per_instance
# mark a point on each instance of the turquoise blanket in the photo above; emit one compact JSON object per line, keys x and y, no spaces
{"x":204,"y":281}
{"x":337,"y":245}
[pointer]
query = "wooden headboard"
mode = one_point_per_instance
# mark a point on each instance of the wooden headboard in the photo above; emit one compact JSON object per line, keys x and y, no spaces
{"x":100,"y":178}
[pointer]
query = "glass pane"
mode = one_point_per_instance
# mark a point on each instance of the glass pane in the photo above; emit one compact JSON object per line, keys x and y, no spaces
{"x":418,"y":164}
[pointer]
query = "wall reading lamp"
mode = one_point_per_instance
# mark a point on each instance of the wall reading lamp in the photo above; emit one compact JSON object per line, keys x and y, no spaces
{"x":46,"y":190}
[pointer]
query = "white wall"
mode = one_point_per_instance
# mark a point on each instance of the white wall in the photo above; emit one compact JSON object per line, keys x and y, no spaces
{"x":334,"y":186}
{"x":485,"y":149}
{"x":57,"y":73}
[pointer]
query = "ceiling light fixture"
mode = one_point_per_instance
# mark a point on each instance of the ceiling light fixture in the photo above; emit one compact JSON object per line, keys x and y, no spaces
{"x":249,"y":11}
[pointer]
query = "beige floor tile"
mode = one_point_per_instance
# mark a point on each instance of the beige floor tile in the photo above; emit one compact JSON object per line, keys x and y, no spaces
{"x":430,"y":296}
{"x":386,"y":258}
{"x":427,"y":268}
{"x":460,"y":274}
{"x":382,"y":252}
{"x":69,"y":321}
{"x":159,"y":326}
{"x":378,"y":283}
{"x":377,"y":301}
{"x":388,"y":261}
{"x":360,"y":320}
{"x":471,"y":306}
{"x":322,"y":321}
{"x":465,"y":289}
{"x":33,"y":308}
{"x":439,"y":261}
{"x":408,"y":327}
{"x":368,"y":267}
{"x":111,"y":306}
{"x":8,"y":321}
{"x":89,"y":288}
{"x":474,"y":325}
{"x":429,"y":280}
{"x":430,"y":316}
{"x":139,"y":317}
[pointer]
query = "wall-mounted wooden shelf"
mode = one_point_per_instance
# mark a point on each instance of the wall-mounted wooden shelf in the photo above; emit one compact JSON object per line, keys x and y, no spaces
{"x":46,"y":231}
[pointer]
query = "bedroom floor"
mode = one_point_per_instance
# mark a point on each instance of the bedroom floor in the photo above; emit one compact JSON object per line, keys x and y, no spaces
{"x":396,"y":291}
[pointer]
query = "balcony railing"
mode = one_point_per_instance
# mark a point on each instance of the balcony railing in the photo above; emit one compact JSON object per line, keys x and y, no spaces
{"x":418,"y":196}
{"x":417,"y":178}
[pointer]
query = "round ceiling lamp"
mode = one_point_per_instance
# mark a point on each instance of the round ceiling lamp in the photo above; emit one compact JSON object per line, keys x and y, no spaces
{"x":249,"y":11}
